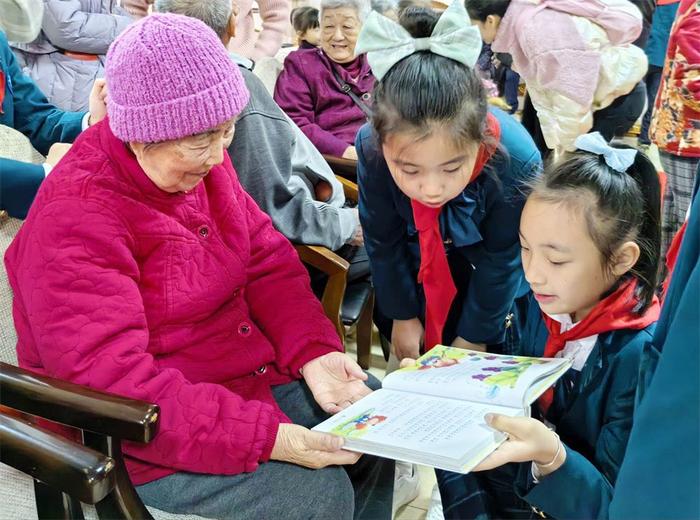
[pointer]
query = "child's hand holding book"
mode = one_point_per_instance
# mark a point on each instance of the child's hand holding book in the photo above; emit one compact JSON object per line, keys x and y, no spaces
{"x":528,"y":440}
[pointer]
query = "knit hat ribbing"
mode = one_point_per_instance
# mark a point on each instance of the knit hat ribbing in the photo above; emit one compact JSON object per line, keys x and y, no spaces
{"x":169,"y":76}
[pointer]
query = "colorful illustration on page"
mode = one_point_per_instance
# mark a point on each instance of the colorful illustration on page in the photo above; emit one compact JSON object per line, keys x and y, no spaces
{"x":438,"y":357}
{"x":504,"y":372}
{"x":359,"y":425}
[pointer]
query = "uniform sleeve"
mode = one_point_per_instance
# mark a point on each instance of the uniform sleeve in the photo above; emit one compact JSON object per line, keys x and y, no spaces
{"x":298,"y":329}
{"x":594,"y":480}
{"x":294,"y":96}
{"x":43,"y":123}
{"x":496,"y":259}
{"x":68,"y":26}
{"x":385,"y":234}
{"x":19,"y":182}
{"x":79,"y":283}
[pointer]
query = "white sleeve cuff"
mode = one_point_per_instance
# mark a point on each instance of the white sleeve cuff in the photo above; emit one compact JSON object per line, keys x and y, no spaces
{"x":86,"y":119}
{"x":47,"y":169}
{"x":535,"y":473}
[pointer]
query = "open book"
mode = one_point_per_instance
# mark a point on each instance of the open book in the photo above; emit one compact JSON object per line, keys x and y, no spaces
{"x":432,"y":413}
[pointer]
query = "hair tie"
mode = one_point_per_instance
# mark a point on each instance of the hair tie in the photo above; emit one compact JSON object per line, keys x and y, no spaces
{"x":619,"y":159}
{"x":386,"y":42}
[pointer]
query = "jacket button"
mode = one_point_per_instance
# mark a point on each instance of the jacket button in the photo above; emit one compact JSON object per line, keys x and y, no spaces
{"x":204,"y":231}
{"x":261,"y":370}
{"x":244,"y":329}
{"x":236,"y":293}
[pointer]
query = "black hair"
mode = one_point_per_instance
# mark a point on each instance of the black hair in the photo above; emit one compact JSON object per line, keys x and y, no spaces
{"x":425,"y":89}
{"x":620,"y":207}
{"x":481,"y":9}
{"x":304,"y":18}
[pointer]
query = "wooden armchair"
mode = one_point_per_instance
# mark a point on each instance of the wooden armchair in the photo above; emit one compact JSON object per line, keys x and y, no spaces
{"x":343,"y":168}
{"x":344,"y":304}
{"x":67,"y":473}
{"x":45,"y":475}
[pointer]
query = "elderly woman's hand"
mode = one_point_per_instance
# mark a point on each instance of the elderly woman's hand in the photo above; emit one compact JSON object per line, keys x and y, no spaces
{"x":98,"y":102}
{"x":350,"y":153}
{"x":315,"y":450}
{"x":336,"y":381}
{"x":137,"y":8}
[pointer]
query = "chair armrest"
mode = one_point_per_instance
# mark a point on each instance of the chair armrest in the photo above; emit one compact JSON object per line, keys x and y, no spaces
{"x":58,"y":462}
{"x":336,"y":268}
{"x":350,"y":189}
{"x":77,"y":405}
{"x":322,"y":259}
{"x":343,"y":167}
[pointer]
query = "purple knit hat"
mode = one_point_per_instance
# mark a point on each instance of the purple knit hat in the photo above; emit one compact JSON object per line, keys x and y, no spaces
{"x":169,"y":76}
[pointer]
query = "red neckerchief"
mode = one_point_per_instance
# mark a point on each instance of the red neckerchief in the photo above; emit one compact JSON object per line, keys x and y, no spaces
{"x":672,"y":256}
{"x":612,"y":313}
{"x":2,"y":90}
{"x":434,"y":273}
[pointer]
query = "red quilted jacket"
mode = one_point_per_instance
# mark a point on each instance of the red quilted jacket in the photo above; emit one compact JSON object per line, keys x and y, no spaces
{"x":192,"y":301}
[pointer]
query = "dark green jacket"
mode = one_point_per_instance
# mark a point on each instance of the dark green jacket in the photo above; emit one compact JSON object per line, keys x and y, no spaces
{"x":593,"y":412}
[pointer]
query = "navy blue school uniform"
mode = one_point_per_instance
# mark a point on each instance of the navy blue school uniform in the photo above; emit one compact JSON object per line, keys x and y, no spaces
{"x":26,"y":109}
{"x":660,"y":476}
{"x":479,"y":228}
{"x":592,"y":412}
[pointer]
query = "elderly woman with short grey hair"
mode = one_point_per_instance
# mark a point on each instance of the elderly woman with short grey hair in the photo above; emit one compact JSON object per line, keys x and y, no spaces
{"x":327,"y":91}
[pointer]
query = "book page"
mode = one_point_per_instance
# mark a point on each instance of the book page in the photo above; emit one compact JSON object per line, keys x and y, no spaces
{"x":392,"y":421}
{"x":473,"y":376}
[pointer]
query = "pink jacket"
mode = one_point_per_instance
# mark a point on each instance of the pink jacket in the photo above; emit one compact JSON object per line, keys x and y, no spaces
{"x":275,"y":26}
{"x":556,"y":58}
{"x":192,"y":301}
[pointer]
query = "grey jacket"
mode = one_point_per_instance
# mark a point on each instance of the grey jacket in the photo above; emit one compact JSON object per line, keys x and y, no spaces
{"x":278,"y":166}
{"x":85,"y":26}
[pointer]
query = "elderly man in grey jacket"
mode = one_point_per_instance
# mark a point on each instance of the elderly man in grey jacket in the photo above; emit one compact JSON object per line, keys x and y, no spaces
{"x":276,"y":164}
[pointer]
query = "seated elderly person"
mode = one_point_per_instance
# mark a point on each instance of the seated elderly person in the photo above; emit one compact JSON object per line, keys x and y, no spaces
{"x":145,"y":270}
{"x":327,"y":91}
{"x":25,"y":108}
{"x":276,"y":163}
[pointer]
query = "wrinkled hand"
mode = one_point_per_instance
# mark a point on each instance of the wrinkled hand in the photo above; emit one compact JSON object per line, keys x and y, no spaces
{"x":336,"y":381}
{"x":136,"y":8}
{"x":406,"y":338}
{"x":460,"y":342}
{"x":350,"y":153}
{"x":358,"y":238}
{"x":314,"y":450}
{"x":98,"y":102}
{"x":56,"y":153}
{"x":528,"y":440}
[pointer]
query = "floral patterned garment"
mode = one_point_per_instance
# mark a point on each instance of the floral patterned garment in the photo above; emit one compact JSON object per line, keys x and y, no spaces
{"x":675,"y":126}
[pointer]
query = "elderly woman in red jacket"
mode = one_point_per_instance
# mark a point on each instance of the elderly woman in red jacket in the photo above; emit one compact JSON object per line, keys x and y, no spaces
{"x":145,"y":270}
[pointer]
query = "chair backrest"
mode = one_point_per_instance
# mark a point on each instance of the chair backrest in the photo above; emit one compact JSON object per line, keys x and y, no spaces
{"x":8,"y":337}
{"x":13,"y":145}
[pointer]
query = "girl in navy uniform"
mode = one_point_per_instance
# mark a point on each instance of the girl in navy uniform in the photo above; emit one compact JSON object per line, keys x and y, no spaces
{"x":441,"y":178}
{"x":590,"y":249}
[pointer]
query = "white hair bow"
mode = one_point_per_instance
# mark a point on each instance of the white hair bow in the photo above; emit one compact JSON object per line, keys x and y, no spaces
{"x":386,"y":42}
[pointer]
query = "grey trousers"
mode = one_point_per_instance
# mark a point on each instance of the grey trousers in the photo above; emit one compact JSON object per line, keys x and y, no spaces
{"x":281,"y":490}
{"x":680,"y":175}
